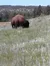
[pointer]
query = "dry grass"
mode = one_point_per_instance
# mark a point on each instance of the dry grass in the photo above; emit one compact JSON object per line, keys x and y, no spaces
{"x":4,"y":24}
{"x":28,"y":46}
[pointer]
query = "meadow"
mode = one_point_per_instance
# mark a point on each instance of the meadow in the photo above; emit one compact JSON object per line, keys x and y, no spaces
{"x":28,"y":46}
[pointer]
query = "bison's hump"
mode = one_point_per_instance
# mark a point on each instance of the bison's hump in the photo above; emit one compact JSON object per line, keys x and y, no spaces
{"x":19,"y":18}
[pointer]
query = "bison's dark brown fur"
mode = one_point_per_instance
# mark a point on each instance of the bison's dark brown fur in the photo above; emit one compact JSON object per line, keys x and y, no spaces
{"x":19,"y":20}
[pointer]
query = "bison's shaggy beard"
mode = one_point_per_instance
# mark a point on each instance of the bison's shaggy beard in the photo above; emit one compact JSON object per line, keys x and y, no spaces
{"x":26,"y":24}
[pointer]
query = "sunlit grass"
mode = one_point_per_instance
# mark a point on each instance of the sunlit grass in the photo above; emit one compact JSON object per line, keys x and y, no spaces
{"x":28,"y":46}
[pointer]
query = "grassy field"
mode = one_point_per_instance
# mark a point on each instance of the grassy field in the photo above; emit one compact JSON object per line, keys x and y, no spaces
{"x":28,"y":46}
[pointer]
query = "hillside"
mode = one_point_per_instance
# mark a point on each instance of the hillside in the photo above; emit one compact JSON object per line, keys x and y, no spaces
{"x":28,"y":46}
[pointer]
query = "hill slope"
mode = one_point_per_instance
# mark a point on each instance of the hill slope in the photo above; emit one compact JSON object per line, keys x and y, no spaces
{"x":26,"y":47}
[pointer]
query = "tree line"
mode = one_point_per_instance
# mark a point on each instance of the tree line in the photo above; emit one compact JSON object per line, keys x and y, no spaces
{"x":37,"y":11}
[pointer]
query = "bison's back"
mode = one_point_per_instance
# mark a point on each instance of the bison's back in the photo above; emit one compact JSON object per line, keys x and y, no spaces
{"x":18,"y":18}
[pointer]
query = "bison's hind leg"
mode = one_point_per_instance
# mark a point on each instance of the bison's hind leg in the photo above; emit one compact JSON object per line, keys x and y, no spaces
{"x":13,"y":25}
{"x":17,"y":24}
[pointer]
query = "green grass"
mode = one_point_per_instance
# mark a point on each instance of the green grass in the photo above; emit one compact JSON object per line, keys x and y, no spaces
{"x":28,"y":46}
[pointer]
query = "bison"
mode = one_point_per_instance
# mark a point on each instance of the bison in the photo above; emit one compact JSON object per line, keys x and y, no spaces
{"x":19,"y":20}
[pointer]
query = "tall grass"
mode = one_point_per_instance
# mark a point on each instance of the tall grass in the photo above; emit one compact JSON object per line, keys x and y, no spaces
{"x":28,"y":46}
